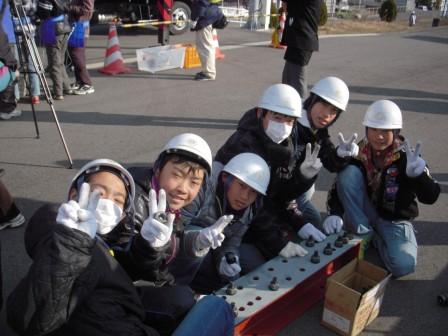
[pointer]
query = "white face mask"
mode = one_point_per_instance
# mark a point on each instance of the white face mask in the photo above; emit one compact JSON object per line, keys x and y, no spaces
{"x":278,"y":132}
{"x":107,"y":215}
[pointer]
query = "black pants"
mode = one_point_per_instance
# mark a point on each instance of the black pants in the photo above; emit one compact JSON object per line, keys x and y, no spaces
{"x":166,"y":306}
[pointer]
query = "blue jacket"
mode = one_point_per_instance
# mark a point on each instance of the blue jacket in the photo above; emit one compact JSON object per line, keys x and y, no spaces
{"x":205,"y":13}
{"x":7,"y":23}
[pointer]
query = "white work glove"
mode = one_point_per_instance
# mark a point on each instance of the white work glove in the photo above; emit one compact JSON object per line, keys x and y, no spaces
{"x":310,"y":230}
{"x":212,"y":236}
{"x":332,"y":224}
{"x":156,"y":233}
{"x":415,"y":165}
{"x":291,"y":250}
{"x":311,"y":165}
{"x":347,"y":148}
{"x":229,"y":270}
{"x":80,"y":215}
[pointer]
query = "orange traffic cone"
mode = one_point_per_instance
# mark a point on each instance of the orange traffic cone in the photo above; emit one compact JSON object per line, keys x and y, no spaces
{"x":218,"y":54}
{"x":278,"y":33}
{"x":113,"y":61}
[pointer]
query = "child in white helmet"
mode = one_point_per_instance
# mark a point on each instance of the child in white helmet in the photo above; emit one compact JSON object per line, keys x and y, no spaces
{"x":377,"y":193}
{"x":163,"y":257}
{"x":74,"y":281}
{"x":235,"y":189}
{"x":325,"y":104}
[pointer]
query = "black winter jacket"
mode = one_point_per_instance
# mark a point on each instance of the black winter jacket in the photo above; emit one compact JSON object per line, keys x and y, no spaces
{"x":396,"y":198}
{"x":287,"y":183}
{"x":302,"y":24}
{"x":73,"y":287}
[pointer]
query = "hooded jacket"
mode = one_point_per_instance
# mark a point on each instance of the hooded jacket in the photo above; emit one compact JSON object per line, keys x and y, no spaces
{"x":73,"y":287}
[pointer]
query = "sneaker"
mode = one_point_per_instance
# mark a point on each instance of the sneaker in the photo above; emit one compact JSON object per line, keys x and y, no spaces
{"x":15,"y":222}
{"x":85,"y":89}
{"x":35,"y":100}
{"x":58,"y":97}
{"x":200,"y":76}
{"x":9,"y":115}
{"x":68,"y":91}
{"x":75,"y":86}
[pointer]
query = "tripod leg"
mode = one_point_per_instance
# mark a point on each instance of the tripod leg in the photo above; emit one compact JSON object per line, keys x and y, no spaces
{"x":61,"y":135}
{"x":33,"y":53}
{"x":24,"y":61}
{"x":35,"y":122}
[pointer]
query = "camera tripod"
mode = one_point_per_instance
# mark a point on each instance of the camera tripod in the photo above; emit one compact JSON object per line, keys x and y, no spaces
{"x":27,"y":50}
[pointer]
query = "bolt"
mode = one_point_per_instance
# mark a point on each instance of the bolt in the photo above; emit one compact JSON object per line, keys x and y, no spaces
{"x":315,"y":258}
{"x":231,"y":289}
{"x":273,"y":286}
{"x":310,"y":242}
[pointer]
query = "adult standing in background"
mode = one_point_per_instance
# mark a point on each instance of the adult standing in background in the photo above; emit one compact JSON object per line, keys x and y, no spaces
{"x":204,"y":14}
{"x":300,"y":37}
{"x":55,"y":30}
{"x":80,"y":12}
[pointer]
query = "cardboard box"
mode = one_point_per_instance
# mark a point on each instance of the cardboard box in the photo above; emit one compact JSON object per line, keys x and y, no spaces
{"x":353,"y":297}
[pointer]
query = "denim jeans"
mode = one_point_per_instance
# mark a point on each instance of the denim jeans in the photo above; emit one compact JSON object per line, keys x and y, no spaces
{"x":309,"y":211}
{"x":211,"y":315}
{"x":34,"y":79}
{"x":395,"y":240}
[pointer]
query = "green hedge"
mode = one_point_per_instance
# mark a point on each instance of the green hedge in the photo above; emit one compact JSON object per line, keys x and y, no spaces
{"x":388,"y":11}
{"x":323,"y":14}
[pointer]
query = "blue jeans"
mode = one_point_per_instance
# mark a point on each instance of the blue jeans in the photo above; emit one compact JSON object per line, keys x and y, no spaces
{"x":34,"y":79}
{"x":309,"y":211}
{"x":212,"y":315}
{"x":395,"y":240}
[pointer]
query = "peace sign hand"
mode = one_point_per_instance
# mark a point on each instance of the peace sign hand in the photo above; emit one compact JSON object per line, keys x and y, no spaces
{"x":347,"y":148}
{"x":415,"y":165}
{"x":212,"y":236}
{"x":312,"y":164}
{"x":158,"y":227}
{"x":80,"y":215}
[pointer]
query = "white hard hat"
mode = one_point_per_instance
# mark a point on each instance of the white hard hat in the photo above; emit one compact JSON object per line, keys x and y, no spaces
{"x":191,"y":145}
{"x":383,"y":114}
{"x":100,"y":165}
{"x":332,"y":90}
{"x":251,"y":169}
{"x":282,"y":98}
